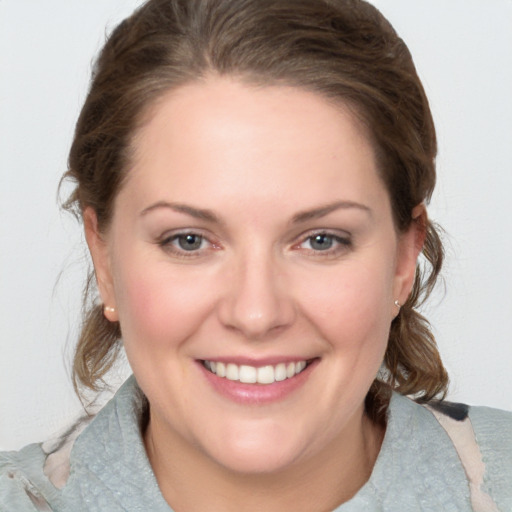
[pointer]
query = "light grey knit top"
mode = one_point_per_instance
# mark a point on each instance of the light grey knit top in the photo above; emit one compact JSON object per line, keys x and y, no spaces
{"x":418,"y":468}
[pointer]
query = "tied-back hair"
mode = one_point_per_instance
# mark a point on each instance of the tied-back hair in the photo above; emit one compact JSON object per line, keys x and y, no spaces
{"x":344,"y":50}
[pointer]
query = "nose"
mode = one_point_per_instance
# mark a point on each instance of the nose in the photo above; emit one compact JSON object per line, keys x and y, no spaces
{"x":257,"y":302}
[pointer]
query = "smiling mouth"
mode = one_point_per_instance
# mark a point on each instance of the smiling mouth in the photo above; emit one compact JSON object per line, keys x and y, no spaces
{"x":256,"y":375}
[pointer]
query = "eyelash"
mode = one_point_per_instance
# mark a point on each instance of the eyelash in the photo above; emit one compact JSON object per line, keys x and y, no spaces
{"x":167,"y":244}
{"x":341,"y":244}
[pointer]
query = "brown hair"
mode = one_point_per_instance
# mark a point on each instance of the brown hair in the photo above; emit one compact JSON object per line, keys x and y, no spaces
{"x":342,"y":49}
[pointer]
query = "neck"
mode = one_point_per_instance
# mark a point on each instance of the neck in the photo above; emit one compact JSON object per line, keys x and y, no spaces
{"x":191,"y":481}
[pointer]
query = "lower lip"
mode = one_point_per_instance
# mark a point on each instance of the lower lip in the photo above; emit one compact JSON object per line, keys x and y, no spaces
{"x":257,"y":393}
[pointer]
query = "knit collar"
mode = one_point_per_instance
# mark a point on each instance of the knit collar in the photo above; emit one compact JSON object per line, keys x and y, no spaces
{"x":417,"y":467}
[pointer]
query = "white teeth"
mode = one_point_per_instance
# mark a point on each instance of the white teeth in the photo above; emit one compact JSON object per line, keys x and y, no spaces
{"x":280,"y":372}
{"x":266,"y":375}
{"x":247,"y":374}
{"x":252,"y":375}
{"x":221,"y":369}
{"x":232,"y":372}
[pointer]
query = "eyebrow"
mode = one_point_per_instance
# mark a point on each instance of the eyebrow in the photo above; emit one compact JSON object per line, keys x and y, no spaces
{"x":304,"y":216}
{"x":197,"y":213}
{"x":322,"y":211}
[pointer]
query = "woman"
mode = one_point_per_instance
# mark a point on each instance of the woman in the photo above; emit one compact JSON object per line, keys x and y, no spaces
{"x":252,"y":178}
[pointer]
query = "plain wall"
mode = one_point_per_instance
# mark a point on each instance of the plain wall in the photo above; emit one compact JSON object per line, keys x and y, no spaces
{"x":463,"y":52}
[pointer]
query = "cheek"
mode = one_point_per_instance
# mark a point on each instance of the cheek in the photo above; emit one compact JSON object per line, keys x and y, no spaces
{"x":350,"y":306}
{"x":158,"y":307}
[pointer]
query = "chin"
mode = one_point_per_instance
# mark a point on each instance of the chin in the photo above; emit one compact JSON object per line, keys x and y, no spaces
{"x":257,"y":462}
{"x":270,"y":450}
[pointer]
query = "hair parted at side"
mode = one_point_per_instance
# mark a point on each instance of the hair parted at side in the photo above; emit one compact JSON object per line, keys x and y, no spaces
{"x":344,"y":50}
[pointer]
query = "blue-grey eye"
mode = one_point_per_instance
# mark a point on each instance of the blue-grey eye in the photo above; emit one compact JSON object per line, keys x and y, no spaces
{"x":190,"y":242}
{"x":321,"y":242}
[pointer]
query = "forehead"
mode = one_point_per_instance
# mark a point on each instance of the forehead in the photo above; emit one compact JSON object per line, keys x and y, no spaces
{"x":224,"y":137}
{"x":215,"y":102}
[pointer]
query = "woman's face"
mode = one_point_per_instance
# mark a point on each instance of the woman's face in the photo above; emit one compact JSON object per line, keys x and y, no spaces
{"x":253,"y":238}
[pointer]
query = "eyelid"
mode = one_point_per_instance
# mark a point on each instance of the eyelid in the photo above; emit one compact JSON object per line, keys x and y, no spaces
{"x":165,"y":241}
{"x":343,"y":239}
{"x":336,"y":233}
{"x":173,"y":233}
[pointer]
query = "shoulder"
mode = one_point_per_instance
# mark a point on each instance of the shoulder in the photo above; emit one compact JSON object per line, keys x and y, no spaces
{"x":99,"y":464}
{"x":493,"y":429}
{"x":482,"y":437}
{"x":20,"y":488}
{"x":493,"y":434}
{"x":31,"y":479}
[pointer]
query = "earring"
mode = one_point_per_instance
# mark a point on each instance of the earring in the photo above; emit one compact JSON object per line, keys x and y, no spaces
{"x":398,"y":305}
{"x":109,"y":309}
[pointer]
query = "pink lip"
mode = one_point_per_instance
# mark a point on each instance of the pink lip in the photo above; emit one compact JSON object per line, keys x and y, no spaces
{"x":257,"y":393}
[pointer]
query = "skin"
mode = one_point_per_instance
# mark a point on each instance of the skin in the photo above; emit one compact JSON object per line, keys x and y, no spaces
{"x":257,"y":287}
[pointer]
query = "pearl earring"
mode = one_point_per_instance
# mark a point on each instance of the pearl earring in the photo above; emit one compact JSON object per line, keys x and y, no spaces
{"x":109,"y":309}
{"x":398,"y":305}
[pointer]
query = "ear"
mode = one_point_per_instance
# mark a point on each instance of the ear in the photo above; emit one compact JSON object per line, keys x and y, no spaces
{"x":101,"y":260}
{"x":410,"y":244}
